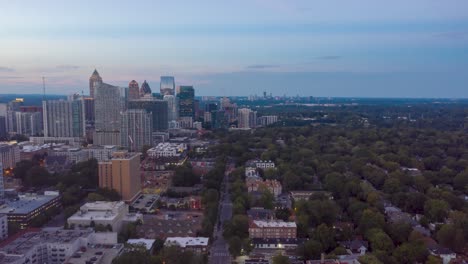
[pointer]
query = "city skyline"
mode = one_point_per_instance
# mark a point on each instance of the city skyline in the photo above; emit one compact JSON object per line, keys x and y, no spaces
{"x":364,"y":49}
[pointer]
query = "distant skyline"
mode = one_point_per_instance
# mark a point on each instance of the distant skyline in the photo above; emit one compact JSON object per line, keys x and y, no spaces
{"x":366,"y":48}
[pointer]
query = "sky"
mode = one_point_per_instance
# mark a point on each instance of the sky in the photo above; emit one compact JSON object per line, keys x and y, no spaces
{"x":337,"y":48}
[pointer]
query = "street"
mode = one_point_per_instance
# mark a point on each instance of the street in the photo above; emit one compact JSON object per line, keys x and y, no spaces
{"x":219,"y":253}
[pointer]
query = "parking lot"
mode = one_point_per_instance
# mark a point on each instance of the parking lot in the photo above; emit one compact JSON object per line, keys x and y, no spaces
{"x":145,"y":202}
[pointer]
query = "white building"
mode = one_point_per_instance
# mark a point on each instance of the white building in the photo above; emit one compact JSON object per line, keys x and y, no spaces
{"x":167,"y":150}
{"x":54,"y":246}
{"x":3,"y":226}
{"x":147,"y":243}
{"x":103,"y":213}
{"x":262,"y":164}
{"x":9,"y":154}
{"x":267,"y":120}
{"x":101,"y":153}
{"x":73,"y":155}
{"x":196,"y":244}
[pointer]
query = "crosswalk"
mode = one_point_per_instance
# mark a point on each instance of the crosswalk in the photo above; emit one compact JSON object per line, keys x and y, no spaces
{"x":221,"y":254}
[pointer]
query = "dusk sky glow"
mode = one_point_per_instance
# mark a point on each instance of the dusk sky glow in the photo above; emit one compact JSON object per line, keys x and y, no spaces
{"x":372,"y":48}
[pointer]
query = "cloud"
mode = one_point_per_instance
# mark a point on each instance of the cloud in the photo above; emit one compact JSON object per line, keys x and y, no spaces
{"x":6,"y":69}
{"x":67,"y":67}
{"x":329,"y":57}
{"x":262,"y":66}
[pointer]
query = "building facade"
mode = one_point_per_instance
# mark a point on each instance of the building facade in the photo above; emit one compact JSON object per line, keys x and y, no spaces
{"x":167,"y":85}
{"x":157,"y":108}
{"x":9,"y":154}
{"x":109,"y":104}
{"x":137,"y":127}
{"x":63,"y":118}
{"x":133,"y":90}
{"x":94,"y":81}
{"x":272,"y":229}
{"x":122,"y":173}
{"x":172,"y":107}
{"x":186,"y":101}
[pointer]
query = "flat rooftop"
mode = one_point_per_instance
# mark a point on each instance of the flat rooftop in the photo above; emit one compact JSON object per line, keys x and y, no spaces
{"x":25,"y":204}
{"x":260,"y":223}
{"x":102,"y":254}
{"x":26,"y":241}
{"x":187,"y":241}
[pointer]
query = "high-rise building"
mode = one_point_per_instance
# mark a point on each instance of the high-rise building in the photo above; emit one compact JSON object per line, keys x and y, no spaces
{"x":63,"y":118}
{"x":9,"y":154}
{"x":29,"y":123}
{"x":88,"y":105}
{"x":133,"y":90}
{"x":145,"y":90}
{"x":173,"y":107}
{"x":94,"y":81}
{"x":243,"y":118}
{"x":136,"y":129}
{"x":109,"y":104}
{"x":122,"y":174}
{"x":267,"y":120}
{"x":2,"y":186}
{"x":186,"y":101}
{"x":158,"y":109}
{"x":167,"y":85}
{"x":3,"y":127}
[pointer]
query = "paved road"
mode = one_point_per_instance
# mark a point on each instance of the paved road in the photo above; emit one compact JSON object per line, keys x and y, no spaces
{"x":219,"y":253}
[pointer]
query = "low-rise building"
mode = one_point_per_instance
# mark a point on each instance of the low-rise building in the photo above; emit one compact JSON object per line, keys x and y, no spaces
{"x":195,"y":244}
{"x":28,"y":206}
{"x":261,"y":164}
{"x":180,"y":224}
{"x":277,"y":243}
{"x":147,"y":243}
{"x":256,"y":184}
{"x":305,"y":195}
{"x":272,"y":229}
{"x":54,"y":246}
{"x":260,"y":213}
{"x":167,"y":149}
{"x":73,"y":154}
{"x":103,"y":213}
{"x":72,"y":141}
{"x":101,"y":153}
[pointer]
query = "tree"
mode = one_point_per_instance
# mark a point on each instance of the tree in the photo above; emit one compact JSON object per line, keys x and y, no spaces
{"x":433,"y":260}
{"x":310,"y":249}
{"x":460,"y":182}
{"x":451,"y":237}
{"x":379,"y":240}
{"x":283,"y":214}
{"x":280,"y":259}
{"x":326,"y":236}
{"x":235,"y":246}
{"x":436,"y":210}
{"x":399,"y":232}
{"x":414,"y":252}
{"x":267,"y":199}
{"x":371,"y":219}
{"x":369,"y":259}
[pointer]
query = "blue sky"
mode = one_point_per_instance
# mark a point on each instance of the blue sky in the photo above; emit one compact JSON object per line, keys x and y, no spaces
{"x":374,"y":48}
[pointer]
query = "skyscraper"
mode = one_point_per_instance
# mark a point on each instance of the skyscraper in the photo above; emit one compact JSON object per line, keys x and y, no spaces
{"x":158,"y":109}
{"x":136,"y":129}
{"x":29,"y":123}
{"x":63,"y":118}
{"x":109,"y":104}
{"x":94,"y":81}
{"x":167,"y":85}
{"x":145,"y":89}
{"x":186,"y":101}
{"x":133,"y":90}
{"x":173,"y":107}
{"x":247,"y":118}
{"x":88,"y":104}
{"x":2,"y":186}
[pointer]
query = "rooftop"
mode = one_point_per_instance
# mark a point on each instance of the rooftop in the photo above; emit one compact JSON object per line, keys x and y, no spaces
{"x":187,"y":241}
{"x":148,"y":243}
{"x":26,"y":203}
{"x":98,"y":210}
{"x":27,"y":240}
{"x":275,"y":223}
